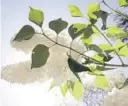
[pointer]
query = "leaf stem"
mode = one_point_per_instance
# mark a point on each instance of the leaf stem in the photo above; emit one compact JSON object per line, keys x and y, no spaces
{"x":110,"y":44}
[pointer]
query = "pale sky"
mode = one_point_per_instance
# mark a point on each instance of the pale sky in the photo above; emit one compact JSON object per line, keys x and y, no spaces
{"x":15,"y":15}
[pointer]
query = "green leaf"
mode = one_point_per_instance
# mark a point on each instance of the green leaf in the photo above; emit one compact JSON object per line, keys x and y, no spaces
{"x":26,"y":33}
{"x":122,"y":3}
{"x":123,"y":51}
{"x":64,"y":88}
{"x":40,"y":56}
{"x":86,"y":41}
{"x":119,"y":45}
{"x":36,"y":16}
{"x":86,"y":35}
{"x":76,"y":30}
{"x":101,"y":82}
{"x":106,"y":47}
{"x":75,"y":11}
{"x":95,"y":48}
{"x":103,"y":16}
{"x":93,"y":11}
{"x":75,"y":66}
{"x":77,"y":91}
{"x":114,"y":31}
{"x":58,"y":25}
{"x":96,"y":32}
{"x":98,"y":57}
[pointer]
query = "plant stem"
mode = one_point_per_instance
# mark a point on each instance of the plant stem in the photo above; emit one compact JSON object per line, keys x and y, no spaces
{"x":96,"y":61}
{"x":110,"y":44}
{"x":114,"y":10}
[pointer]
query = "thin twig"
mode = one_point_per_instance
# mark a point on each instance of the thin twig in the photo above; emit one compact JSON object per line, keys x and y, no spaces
{"x":114,"y":10}
{"x":96,"y":61}
{"x":110,"y":44}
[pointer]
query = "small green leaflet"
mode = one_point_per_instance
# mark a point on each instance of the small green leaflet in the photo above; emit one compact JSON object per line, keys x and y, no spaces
{"x":106,"y":47}
{"x":114,"y":31}
{"x":76,"y":30}
{"x":86,"y":41}
{"x":123,"y":3}
{"x":77,"y":90}
{"x":98,"y":57}
{"x":119,"y":45}
{"x":58,"y":25}
{"x":36,"y":16}
{"x":93,"y":10}
{"x":64,"y":88}
{"x":123,"y":51}
{"x":26,"y":33}
{"x":101,"y":82}
{"x":39,"y":56}
{"x":75,"y":11}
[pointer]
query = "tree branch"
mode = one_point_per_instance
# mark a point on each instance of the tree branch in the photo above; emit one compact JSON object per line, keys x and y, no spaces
{"x":110,"y":44}
{"x":96,"y":61}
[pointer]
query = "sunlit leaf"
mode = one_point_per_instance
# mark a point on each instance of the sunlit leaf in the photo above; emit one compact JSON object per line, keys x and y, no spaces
{"x":101,"y":82}
{"x":26,"y":33}
{"x":119,"y":45}
{"x":98,"y":57}
{"x":86,"y":41}
{"x":123,"y":51}
{"x":64,"y":88}
{"x":40,"y":56}
{"x":93,"y":10}
{"x":76,"y":30}
{"x":96,"y":32}
{"x":106,"y":47}
{"x":36,"y":16}
{"x":114,"y":31}
{"x":58,"y":25}
{"x":77,"y":91}
{"x":75,"y":11}
{"x":122,"y":3}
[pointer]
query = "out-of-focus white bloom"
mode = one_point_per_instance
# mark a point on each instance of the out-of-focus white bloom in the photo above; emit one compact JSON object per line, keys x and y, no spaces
{"x":116,"y":78}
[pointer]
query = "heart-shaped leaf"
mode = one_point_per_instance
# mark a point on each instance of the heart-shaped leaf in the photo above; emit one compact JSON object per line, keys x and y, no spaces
{"x":75,"y":11}
{"x":58,"y":25}
{"x":36,"y":16}
{"x":114,"y":31}
{"x":101,"y":82}
{"x":77,"y":90}
{"x":93,"y":11}
{"x":26,"y":33}
{"x":40,"y":56}
{"x":76,"y":30}
{"x":123,"y":3}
